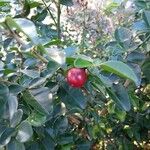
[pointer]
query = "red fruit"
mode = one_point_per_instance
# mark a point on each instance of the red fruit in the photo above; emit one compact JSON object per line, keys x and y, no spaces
{"x":76,"y":77}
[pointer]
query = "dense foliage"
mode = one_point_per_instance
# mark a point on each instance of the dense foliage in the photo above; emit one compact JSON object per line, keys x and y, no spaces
{"x":39,"y":110}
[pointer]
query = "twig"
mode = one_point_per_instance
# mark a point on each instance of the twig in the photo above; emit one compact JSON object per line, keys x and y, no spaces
{"x":146,"y":39}
{"x":49,"y":12}
{"x":58,"y":19}
{"x":127,"y":82}
{"x":15,"y":35}
{"x":39,"y":56}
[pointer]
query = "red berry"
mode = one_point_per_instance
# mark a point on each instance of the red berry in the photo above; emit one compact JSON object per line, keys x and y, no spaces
{"x":76,"y":77}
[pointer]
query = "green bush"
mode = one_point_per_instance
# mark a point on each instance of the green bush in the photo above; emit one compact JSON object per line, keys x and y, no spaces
{"x":39,"y":110}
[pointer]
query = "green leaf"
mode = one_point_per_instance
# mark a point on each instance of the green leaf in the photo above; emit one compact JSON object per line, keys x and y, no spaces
{"x":110,"y":8}
{"x":40,"y":99}
{"x":72,"y":97}
{"x":114,"y":48}
{"x":60,"y":125}
{"x":146,"y":68}
{"x":37,"y":82}
{"x":121,"y":69}
{"x":43,"y":97}
{"x":15,"y":145}
{"x":1,"y":65}
{"x":147,"y":17}
{"x":123,"y":34}
{"x":16,"y":118}
{"x":25,"y":132}
{"x":70,"y":60}
{"x":119,"y":94}
{"x":15,"y":89}
{"x":53,"y":42}
{"x":120,"y":114}
{"x":124,"y":37}
{"x":135,"y":100}
{"x":26,"y":9}
{"x":70,"y":50}
{"x":34,"y":4}
{"x":2,"y":103}
{"x":13,"y":104}
{"x":85,"y":145}
{"x":29,"y":98}
{"x":4,"y":94}
{"x":65,"y":139}
{"x":135,"y":57}
{"x":51,"y":68}
{"x":6,"y":135}
{"x":24,"y":25}
{"x":122,"y":94}
{"x":4,"y":2}
{"x":36,"y":119}
{"x":31,"y":73}
{"x":48,"y":143}
{"x":4,"y":91}
{"x":82,"y":63}
{"x":66,"y":2}
{"x":111,"y":107}
{"x":140,"y":26}
{"x":58,"y":55}
{"x":40,"y":16}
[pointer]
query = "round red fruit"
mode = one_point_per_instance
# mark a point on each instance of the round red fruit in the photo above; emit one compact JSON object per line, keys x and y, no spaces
{"x":76,"y":77}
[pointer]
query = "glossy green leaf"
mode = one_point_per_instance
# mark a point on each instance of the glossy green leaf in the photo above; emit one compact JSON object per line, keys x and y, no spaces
{"x":51,"y":68}
{"x":16,"y":118}
{"x":2,"y":103}
{"x":147,"y":17}
{"x":70,"y":50}
{"x":121,"y":69}
{"x":72,"y":97}
{"x":36,"y":119}
{"x":24,"y":25}
{"x":1,"y":65}
{"x":15,"y":89}
{"x":6,"y":135}
{"x":65,"y":139}
{"x":15,"y":145}
{"x":123,"y":34}
{"x":66,"y":2}
{"x":81,"y":63}
{"x":48,"y":143}
{"x":122,"y":94}
{"x":43,"y":97}
{"x":37,"y":82}
{"x":56,"y":54}
{"x":4,"y":91}
{"x":136,"y":57}
{"x":31,"y":73}
{"x":140,"y":26}
{"x":25,"y":132}
{"x":119,"y":94}
{"x":60,"y":125}
{"x":120,"y":114}
{"x":40,"y":99}
{"x":40,"y":16}
{"x":146,"y":68}
{"x":13,"y":104}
